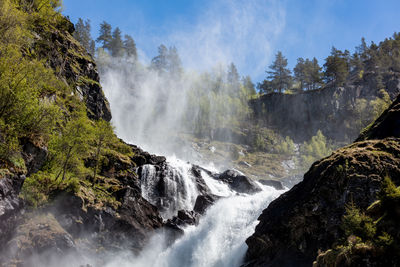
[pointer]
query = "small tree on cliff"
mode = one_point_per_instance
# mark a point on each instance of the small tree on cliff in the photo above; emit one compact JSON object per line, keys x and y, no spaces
{"x":337,"y":67}
{"x":70,"y":146}
{"x":82,"y":34}
{"x":103,"y":137}
{"x":105,"y":37}
{"x":279,"y":78}
{"x":130,"y":47}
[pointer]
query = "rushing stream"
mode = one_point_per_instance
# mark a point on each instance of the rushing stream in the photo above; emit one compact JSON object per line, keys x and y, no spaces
{"x":218,"y":239}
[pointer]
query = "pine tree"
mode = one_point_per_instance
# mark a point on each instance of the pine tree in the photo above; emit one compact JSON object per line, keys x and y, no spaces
{"x":117,"y":45}
{"x":159,"y":62}
{"x":130,"y":47}
{"x":82,"y":34}
{"x":337,"y":67}
{"x":280,"y":75}
{"x":299,"y":73}
{"x":249,"y":85}
{"x":233,"y":79}
{"x":105,"y":37}
{"x":174,"y":63}
{"x":315,"y":74}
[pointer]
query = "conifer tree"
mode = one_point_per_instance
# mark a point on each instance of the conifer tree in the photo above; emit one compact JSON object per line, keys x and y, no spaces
{"x":82,"y":34}
{"x":174,"y":63}
{"x":159,"y":62}
{"x":337,"y":67}
{"x":117,"y":45}
{"x":105,"y":37}
{"x":130,"y":47}
{"x":280,"y":76}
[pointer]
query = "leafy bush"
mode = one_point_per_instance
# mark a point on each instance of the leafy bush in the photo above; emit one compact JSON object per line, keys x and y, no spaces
{"x":357,"y":223}
{"x":315,"y":149}
{"x":285,"y":146}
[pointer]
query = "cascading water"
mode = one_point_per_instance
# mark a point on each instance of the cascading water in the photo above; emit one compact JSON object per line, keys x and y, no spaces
{"x":218,"y":240}
{"x":179,"y":190}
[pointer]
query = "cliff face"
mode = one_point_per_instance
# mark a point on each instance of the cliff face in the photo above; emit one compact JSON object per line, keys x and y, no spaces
{"x":330,"y":109}
{"x":69,"y":222}
{"x":307,"y":218}
{"x":72,"y":63}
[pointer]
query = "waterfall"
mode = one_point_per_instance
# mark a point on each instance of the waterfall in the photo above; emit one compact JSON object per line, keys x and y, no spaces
{"x":218,"y":240}
{"x":174,"y":189}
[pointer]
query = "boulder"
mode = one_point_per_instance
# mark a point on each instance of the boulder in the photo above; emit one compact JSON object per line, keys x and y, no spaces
{"x":275,"y":184}
{"x":238,"y":182}
{"x":203,"y":202}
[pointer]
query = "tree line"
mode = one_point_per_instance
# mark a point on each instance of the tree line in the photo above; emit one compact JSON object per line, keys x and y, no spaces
{"x":338,"y":67}
{"x":109,"y":40}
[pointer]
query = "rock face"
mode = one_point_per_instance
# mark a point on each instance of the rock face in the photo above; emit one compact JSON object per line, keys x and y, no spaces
{"x":11,"y":181}
{"x":301,"y":115}
{"x":387,"y":125}
{"x":307,"y":218}
{"x":238,"y":182}
{"x":10,"y":205}
{"x":275,"y":184}
{"x":75,"y":66}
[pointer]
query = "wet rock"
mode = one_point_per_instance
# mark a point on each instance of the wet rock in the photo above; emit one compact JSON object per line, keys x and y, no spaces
{"x":238,"y":182}
{"x":200,"y":183}
{"x":11,"y":206}
{"x":203,"y":202}
{"x":185,"y":217}
{"x":275,"y":184}
{"x":141,"y":157}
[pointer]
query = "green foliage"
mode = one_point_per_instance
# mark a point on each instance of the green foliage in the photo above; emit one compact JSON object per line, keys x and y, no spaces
{"x":337,"y":66}
{"x":357,"y":223}
{"x":82,"y":35}
{"x":26,"y":110}
{"x":308,"y":74}
{"x":285,"y":146}
{"x":279,"y":78}
{"x":130,"y":47}
{"x":39,"y":187}
{"x":315,"y":149}
{"x":103,"y":138}
{"x":70,"y":146}
{"x":366,"y":112}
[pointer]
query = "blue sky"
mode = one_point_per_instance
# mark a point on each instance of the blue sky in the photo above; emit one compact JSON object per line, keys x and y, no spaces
{"x":246,"y":32}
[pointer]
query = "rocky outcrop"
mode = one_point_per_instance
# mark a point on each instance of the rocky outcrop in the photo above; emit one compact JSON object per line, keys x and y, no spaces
{"x":387,"y":125}
{"x":39,"y":240}
{"x":71,"y":62}
{"x":238,"y":182}
{"x":203,"y":202}
{"x":275,"y":184}
{"x":11,"y":181}
{"x":10,"y":204}
{"x":308,"y":217}
{"x":330,"y":109}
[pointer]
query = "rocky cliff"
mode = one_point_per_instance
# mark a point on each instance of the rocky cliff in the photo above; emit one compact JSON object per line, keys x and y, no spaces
{"x":308,"y":218}
{"x":74,"y":220}
{"x":333,"y":110}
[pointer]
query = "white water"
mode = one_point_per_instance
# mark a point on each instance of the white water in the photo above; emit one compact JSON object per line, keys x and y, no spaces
{"x":218,"y":240}
{"x":180,"y":187}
